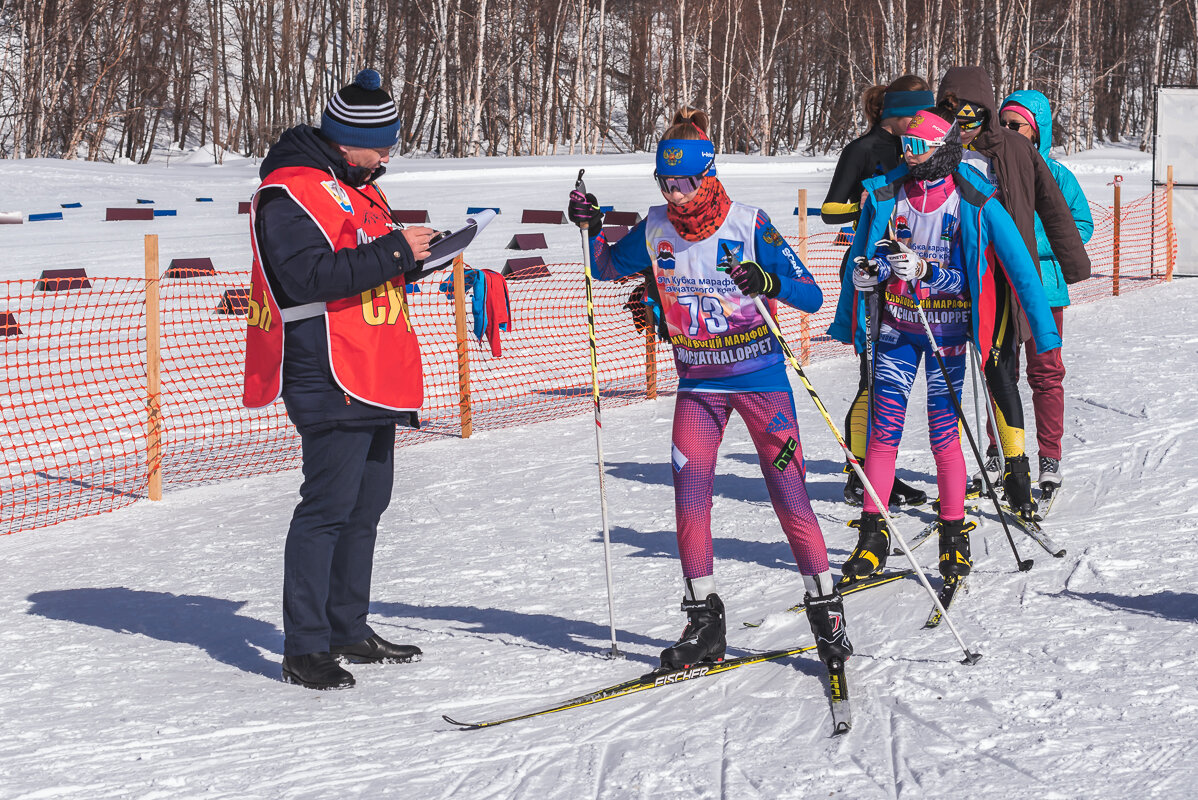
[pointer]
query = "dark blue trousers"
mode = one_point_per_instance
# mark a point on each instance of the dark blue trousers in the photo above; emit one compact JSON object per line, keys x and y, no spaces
{"x":327,"y":563}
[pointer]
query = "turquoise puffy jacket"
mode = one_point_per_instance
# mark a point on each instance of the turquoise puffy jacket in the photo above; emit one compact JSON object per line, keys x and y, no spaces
{"x":1050,"y":268}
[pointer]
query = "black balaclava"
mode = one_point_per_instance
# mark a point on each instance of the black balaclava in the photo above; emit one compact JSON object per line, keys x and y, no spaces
{"x":944,"y":159}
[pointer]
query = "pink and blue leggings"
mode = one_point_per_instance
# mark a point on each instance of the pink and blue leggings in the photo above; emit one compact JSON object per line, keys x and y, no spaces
{"x":699,"y":422}
{"x":896,"y":361}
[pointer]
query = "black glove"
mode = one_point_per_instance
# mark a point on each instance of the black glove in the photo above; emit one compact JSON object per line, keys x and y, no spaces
{"x":752,"y":280}
{"x":640,"y":311}
{"x":584,"y":212}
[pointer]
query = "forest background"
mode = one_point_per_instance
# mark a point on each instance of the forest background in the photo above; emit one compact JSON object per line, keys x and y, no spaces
{"x":117,"y":80}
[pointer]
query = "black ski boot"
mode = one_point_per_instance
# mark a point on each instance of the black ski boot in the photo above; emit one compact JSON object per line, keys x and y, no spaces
{"x":954,"y":548}
{"x":854,"y":492}
{"x":1017,"y":483}
{"x":873,"y":546}
{"x":901,"y":494}
{"x":703,"y":638}
{"x":825,"y":614}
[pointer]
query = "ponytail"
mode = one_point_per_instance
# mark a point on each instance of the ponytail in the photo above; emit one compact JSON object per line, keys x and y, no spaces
{"x":688,"y":123}
{"x":871,"y":104}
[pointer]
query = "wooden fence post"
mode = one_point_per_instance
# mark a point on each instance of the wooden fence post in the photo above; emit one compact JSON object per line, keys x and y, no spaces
{"x":1169,"y":224}
{"x":459,"y":313}
{"x":153,"y":360}
{"x":1115,"y":247}
{"x":804,"y":320}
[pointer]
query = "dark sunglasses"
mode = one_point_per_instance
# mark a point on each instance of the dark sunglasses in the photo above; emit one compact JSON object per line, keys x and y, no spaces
{"x":678,"y":183}
{"x":1015,"y":126}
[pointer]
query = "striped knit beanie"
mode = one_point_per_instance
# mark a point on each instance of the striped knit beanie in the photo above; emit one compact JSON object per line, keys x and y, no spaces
{"x":361,"y":114}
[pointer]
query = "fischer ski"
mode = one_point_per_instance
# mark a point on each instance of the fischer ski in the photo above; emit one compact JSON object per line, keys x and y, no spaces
{"x":1033,"y":530}
{"x":872,"y":582}
{"x":919,"y":538}
{"x":838,"y":690}
{"x":650,"y":680}
{"x":952,"y":587}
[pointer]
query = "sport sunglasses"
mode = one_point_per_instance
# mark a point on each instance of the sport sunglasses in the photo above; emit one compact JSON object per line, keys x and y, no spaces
{"x":1013,"y":125}
{"x":968,"y":126}
{"x":682,"y":183}
{"x":919,"y":146}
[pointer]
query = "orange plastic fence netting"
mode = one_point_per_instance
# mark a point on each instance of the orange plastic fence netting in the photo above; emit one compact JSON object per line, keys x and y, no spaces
{"x":75,"y":401}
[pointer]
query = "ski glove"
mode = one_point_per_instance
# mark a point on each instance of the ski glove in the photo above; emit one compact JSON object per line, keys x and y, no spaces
{"x":584,"y":212}
{"x":640,"y":312}
{"x":906,"y":264}
{"x":752,"y":280}
{"x":867,"y":273}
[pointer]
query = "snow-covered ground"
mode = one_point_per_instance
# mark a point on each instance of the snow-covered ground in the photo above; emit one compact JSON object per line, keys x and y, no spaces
{"x":141,"y":647}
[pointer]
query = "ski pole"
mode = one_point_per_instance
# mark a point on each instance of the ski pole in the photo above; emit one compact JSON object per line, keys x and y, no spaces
{"x":970,"y":658}
{"x":586,"y":260}
{"x":1024,"y":564}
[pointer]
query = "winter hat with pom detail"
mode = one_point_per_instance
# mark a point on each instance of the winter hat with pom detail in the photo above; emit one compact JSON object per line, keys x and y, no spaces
{"x":361,"y":114}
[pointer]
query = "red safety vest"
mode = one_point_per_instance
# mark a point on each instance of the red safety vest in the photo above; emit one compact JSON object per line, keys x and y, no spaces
{"x":373,"y":350}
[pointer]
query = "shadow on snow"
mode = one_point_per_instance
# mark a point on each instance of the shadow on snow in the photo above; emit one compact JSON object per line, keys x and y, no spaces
{"x":556,"y":633}
{"x":1176,"y":606}
{"x":209,"y":623}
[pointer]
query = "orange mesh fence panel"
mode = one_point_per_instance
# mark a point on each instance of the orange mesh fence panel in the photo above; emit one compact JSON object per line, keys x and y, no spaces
{"x":207,"y":435}
{"x":1144,"y":247}
{"x":73,"y":409}
{"x":73,"y":438}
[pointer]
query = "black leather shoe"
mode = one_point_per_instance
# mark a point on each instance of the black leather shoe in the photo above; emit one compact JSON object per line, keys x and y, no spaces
{"x":377,"y":650}
{"x":316,"y":671}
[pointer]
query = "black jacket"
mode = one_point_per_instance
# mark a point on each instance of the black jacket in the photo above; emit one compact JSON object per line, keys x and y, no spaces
{"x":875,"y":153}
{"x":301,"y":268}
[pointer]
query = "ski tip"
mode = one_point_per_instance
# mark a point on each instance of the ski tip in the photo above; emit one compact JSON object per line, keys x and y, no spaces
{"x":971,"y":658}
{"x":841,"y":728}
{"x":452,"y":721}
{"x":1059,"y":554}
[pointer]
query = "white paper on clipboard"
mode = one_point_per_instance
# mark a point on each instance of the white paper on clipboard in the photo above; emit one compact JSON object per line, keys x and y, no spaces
{"x":447,"y":248}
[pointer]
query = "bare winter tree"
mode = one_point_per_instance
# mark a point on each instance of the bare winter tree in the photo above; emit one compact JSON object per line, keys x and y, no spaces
{"x":107,"y":79}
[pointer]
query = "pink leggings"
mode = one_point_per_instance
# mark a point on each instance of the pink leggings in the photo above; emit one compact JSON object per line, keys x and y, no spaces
{"x":699,"y":422}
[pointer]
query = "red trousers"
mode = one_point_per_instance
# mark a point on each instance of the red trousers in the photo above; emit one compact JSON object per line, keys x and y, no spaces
{"x":1046,"y":376}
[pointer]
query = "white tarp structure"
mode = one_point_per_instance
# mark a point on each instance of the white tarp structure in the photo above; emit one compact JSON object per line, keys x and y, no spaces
{"x":1177,"y":145}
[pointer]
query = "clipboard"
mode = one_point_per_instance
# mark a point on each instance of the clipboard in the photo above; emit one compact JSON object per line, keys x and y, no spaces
{"x":446,"y":248}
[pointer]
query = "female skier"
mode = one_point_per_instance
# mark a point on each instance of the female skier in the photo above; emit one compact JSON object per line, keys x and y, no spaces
{"x":928,"y":236}
{"x":1028,"y":113}
{"x":727,"y":361}
{"x":888,"y":109}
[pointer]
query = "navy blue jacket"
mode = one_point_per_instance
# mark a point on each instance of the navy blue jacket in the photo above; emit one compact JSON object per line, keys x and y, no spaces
{"x":302,"y":269}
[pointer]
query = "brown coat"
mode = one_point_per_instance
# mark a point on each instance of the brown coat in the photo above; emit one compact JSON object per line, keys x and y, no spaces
{"x":1026,"y":186}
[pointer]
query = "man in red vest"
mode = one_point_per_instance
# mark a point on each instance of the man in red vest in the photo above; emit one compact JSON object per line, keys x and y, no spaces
{"x":329,"y":331}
